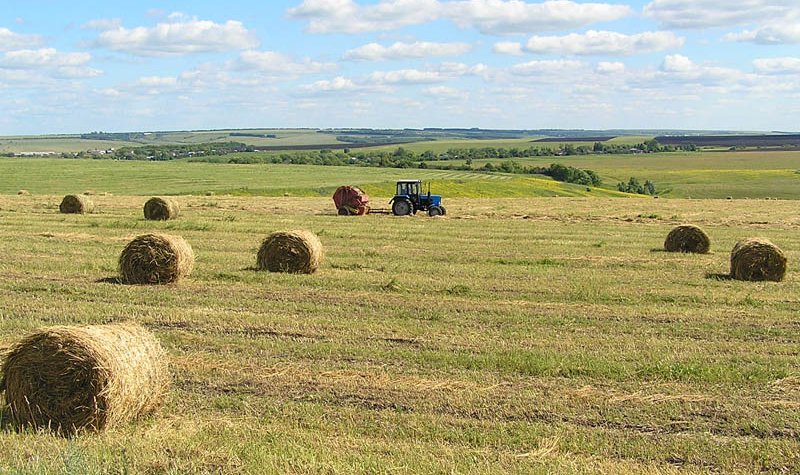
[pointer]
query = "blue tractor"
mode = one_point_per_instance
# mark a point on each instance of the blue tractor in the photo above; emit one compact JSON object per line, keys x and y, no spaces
{"x":409,"y":199}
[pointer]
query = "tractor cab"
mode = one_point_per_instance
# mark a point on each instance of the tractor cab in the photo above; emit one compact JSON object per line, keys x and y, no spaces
{"x":410,"y":198}
{"x":408,"y":188}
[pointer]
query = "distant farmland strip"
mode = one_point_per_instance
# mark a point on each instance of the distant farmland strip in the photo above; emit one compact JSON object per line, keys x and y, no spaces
{"x":732,"y":140}
{"x":332,"y":146}
{"x":575,"y":139}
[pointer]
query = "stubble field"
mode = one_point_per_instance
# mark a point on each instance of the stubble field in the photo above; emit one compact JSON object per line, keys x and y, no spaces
{"x":536,"y":335}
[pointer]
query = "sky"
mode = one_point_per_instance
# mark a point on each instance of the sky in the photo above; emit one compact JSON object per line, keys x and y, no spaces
{"x":116,"y":66}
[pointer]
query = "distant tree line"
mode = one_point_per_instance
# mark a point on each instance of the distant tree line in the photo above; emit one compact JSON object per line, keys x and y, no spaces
{"x":240,"y":153}
{"x":253,"y":134}
{"x":115,"y":136}
{"x":633,"y":186}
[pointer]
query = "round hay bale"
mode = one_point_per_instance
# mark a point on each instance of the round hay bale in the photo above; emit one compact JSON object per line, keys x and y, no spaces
{"x":69,"y":379}
{"x":23,"y":192}
{"x":687,"y":238}
{"x":77,"y":204}
{"x":757,"y":259}
{"x":160,"y":209}
{"x":296,"y":252}
{"x":156,"y":259}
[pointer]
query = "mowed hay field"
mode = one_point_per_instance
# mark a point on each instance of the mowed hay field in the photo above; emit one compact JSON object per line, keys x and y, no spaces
{"x":538,"y":335}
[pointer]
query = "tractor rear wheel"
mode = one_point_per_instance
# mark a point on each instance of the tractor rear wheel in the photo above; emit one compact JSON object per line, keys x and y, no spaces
{"x":402,"y":208}
{"x":435,"y":211}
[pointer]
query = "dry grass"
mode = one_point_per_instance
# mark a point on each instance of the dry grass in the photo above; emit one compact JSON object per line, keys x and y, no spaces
{"x":430,"y":346}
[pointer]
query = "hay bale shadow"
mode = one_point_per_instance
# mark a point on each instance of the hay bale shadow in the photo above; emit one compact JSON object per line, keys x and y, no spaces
{"x":109,"y":280}
{"x":6,"y":423}
{"x":715,"y":276}
{"x":661,"y":249}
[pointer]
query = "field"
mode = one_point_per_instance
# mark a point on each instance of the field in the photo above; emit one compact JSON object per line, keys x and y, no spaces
{"x":44,"y":176}
{"x":520,"y":334}
{"x":74,"y":142}
{"x":745,"y":174}
{"x":719,"y":175}
{"x":543,"y":335}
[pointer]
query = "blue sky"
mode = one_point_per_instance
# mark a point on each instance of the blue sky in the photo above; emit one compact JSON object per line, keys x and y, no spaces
{"x":68,"y":67}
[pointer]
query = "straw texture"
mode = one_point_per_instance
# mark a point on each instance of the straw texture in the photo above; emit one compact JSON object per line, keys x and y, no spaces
{"x":687,"y":238}
{"x":69,"y":379}
{"x":161,"y":209}
{"x":297,"y":252}
{"x":76,"y":204}
{"x":156,"y":259}
{"x":757,"y":259}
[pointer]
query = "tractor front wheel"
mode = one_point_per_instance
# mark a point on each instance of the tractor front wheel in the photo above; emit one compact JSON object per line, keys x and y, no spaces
{"x":402,"y":208}
{"x":343,"y":211}
{"x":435,"y":211}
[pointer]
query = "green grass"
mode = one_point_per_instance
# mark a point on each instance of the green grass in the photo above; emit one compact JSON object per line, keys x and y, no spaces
{"x":55,"y":176}
{"x":694,"y":175}
{"x":544,"y":335}
{"x":716,"y":175}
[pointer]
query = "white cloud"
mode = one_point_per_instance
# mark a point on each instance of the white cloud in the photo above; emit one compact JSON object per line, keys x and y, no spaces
{"x":441,"y":73}
{"x":273,"y":62}
{"x":677,"y":63}
{"x":337,"y":84}
{"x":605,"y":67}
{"x":444,"y":91}
{"x":157,"y":81}
{"x":10,"y":41}
{"x":508,"y":47}
{"x":178,"y":38}
{"x":604,"y":42}
{"x":680,"y":69}
{"x":460,"y":69}
{"x":406,"y":76}
{"x":399,"y":50}
{"x":502,"y":17}
{"x":711,"y":13}
{"x":45,"y":57}
{"x":38,"y":64}
{"x":774,"y":34}
{"x":777,"y":65}
{"x":546,"y":67}
{"x":498,"y":17}
{"x":346,"y":16}
{"x":75,"y":72}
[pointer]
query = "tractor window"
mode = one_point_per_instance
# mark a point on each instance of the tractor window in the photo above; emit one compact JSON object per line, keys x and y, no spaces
{"x":408,"y":188}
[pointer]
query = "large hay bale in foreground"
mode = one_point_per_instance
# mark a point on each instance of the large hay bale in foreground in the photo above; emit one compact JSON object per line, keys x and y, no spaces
{"x":296,"y":252}
{"x":78,"y":204}
{"x":156,"y":259}
{"x":687,"y":238}
{"x":161,"y":209}
{"x":757,"y":259}
{"x":84,"y":378}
